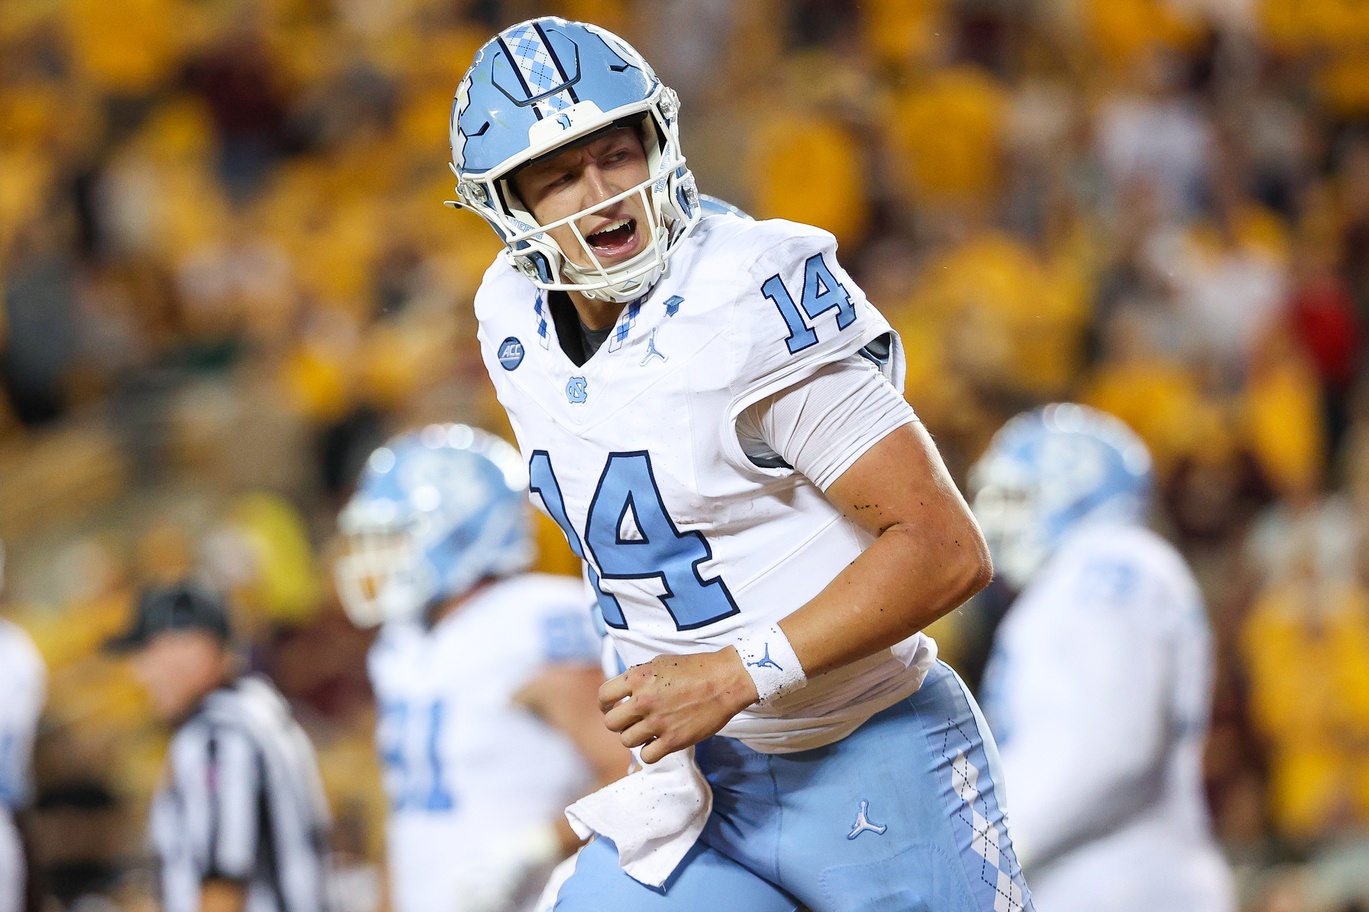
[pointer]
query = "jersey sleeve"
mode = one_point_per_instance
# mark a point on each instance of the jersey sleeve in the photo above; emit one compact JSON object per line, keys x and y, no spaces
{"x":823,"y":425}
{"x":217,"y":776}
{"x":566,"y":635}
{"x":797,"y":311}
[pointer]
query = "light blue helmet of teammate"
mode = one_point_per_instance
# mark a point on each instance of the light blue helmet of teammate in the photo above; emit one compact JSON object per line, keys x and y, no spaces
{"x":435,"y":512}
{"x":537,"y":87}
{"x":712,"y":205}
{"x":1049,"y":471}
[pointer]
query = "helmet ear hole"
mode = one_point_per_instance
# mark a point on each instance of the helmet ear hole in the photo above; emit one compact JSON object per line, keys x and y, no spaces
{"x":653,"y":143}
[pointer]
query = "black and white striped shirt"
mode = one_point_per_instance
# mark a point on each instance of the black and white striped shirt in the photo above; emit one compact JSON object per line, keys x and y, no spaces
{"x":241,"y":799}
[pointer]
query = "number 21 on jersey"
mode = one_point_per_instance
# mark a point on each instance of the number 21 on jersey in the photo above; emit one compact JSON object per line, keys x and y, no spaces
{"x":629,"y":536}
{"x":410,"y":741}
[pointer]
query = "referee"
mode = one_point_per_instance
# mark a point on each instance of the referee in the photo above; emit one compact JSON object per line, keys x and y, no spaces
{"x":238,"y":821}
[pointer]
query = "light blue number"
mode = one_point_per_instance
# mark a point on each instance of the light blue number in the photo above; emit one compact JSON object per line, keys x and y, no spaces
{"x":821,"y":293}
{"x":418,"y":785}
{"x":542,"y":479}
{"x":661,"y":552}
{"x":800,"y":336}
{"x":390,"y":741}
{"x":439,"y":797}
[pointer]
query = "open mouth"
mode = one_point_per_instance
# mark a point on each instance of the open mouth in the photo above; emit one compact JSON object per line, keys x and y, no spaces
{"x":615,"y":239}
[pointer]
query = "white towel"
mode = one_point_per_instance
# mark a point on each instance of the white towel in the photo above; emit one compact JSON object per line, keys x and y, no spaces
{"x":653,"y":815}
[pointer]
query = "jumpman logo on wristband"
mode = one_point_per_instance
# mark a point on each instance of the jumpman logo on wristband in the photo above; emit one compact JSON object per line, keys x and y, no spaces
{"x":765,"y":661}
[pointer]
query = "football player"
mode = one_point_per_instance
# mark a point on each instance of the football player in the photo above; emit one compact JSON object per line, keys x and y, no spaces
{"x":485,"y":676}
{"x":1099,"y":684}
{"x":711,"y":411}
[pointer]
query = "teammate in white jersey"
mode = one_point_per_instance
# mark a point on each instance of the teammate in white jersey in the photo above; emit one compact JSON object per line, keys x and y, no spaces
{"x":711,"y":411}
{"x":486,"y":677}
{"x":1099,"y":684}
{"x":23,"y":685}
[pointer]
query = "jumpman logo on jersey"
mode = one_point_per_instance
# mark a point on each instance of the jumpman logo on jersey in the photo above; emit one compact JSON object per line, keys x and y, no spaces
{"x":765,"y":661}
{"x":652,"y":350}
{"x":863,"y":823}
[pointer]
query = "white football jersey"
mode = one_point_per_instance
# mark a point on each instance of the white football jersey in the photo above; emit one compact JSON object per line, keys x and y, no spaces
{"x":635,"y":455}
{"x":23,"y":682}
{"x":466,"y":769}
{"x":1098,"y":693}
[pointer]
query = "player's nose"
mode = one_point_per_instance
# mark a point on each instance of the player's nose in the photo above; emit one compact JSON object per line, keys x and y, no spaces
{"x":596,"y":185}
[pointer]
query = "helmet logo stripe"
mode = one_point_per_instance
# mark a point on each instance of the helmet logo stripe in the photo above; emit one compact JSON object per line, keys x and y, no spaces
{"x":537,"y":68}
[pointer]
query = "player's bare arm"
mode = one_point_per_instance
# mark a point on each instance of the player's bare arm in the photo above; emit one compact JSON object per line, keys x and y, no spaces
{"x":928,"y":558}
{"x":565,"y":697}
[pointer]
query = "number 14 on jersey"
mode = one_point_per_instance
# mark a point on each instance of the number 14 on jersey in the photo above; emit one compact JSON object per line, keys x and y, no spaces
{"x":629,"y":535}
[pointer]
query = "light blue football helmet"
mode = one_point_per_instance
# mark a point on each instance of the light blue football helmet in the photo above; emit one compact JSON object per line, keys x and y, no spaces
{"x":537,"y":87}
{"x":1049,"y":471}
{"x":712,"y":205}
{"x":435,"y":512}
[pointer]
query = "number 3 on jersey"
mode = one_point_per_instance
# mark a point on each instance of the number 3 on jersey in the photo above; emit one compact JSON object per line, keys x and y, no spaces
{"x":631,"y":537}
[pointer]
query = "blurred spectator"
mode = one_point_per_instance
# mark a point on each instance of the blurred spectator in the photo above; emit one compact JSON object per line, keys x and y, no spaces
{"x":1305,"y":646}
{"x":1159,"y":134}
{"x":1229,"y":275}
{"x":39,"y":327}
{"x":1325,"y":323}
{"x":1353,"y":201}
{"x":236,"y":78}
{"x":1311,"y":612}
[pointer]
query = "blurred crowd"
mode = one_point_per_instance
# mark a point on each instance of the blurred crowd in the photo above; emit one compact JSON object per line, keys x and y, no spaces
{"x":227,"y":275}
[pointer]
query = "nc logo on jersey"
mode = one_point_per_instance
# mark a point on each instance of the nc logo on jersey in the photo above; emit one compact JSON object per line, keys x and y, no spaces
{"x":510,"y":353}
{"x":577,"y":391}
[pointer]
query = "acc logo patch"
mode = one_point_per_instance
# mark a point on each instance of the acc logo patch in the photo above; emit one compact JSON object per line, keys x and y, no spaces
{"x":510,"y":353}
{"x":576,"y":390}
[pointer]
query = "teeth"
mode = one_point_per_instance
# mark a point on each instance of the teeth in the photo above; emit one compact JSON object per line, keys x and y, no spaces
{"x":613,"y":226}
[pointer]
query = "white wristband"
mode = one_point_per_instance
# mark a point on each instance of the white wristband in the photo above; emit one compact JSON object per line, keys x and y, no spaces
{"x":771,"y":662}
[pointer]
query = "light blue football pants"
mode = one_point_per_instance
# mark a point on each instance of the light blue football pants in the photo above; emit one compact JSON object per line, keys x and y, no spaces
{"x":905,"y":814}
